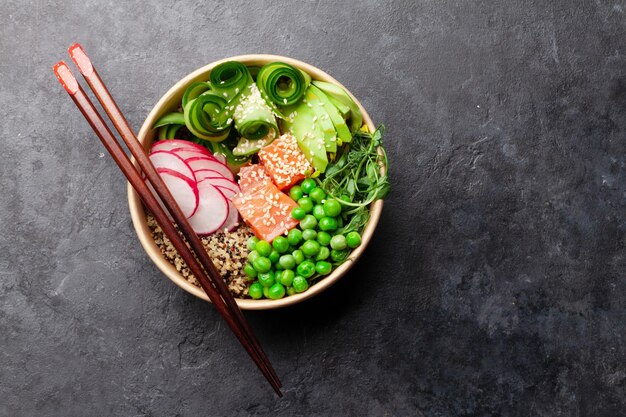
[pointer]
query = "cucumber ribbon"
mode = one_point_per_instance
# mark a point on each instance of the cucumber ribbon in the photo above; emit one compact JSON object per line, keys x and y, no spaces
{"x":282,"y":84}
{"x":230,"y":94}
{"x":254,"y":119}
{"x":169,"y":125}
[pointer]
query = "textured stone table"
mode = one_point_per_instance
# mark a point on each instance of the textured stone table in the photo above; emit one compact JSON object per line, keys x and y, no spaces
{"x":496,"y":284}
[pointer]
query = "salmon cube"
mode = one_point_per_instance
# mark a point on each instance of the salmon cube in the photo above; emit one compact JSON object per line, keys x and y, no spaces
{"x":252,"y":175}
{"x":284,"y":161}
{"x":266,"y":210}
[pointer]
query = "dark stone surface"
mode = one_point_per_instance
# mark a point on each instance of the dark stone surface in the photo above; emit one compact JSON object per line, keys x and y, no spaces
{"x":495,"y":286}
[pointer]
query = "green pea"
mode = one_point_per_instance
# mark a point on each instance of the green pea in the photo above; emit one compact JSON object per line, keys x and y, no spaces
{"x":267,"y":279}
{"x":306,"y":269}
{"x":274,"y":256}
{"x":309,"y":234}
{"x":309,"y":222}
{"x":323,"y":238}
{"x":338,"y":242}
{"x":291,"y":290}
{"x":308,"y":185}
{"x":286,"y":277}
{"x":253,"y":255}
{"x":281,"y":244}
{"x":296,"y":193}
{"x":353,"y":239}
{"x":310,"y":248}
{"x":306,"y":204}
{"x":276,"y":291}
{"x":327,"y":223}
{"x":287,"y":262}
{"x":298,"y":256}
{"x":294,"y":237}
{"x":323,"y":267}
{"x":324,"y":254}
{"x":318,"y":211}
{"x":339,"y":255}
{"x":298,"y":213}
{"x":263,"y":247}
{"x":318,"y":195}
{"x":266,"y":292}
{"x":300,"y":284}
{"x":255,"y":290}
{"x":252,"y":243}
{"x":262,"y":264}
{"x":249,"y":270}
{"x":332,"y":207}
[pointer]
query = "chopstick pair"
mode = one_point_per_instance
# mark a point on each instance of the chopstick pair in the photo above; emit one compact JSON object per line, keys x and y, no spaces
{"x":211,"y":281}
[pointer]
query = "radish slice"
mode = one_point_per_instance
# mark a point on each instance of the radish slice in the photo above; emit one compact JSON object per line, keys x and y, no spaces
{"x":169,"y":160}
{"x":171,"y":144}
{"x":188,"y":149}
{"x":187,"y":153}
{"x":220,"y":157}
{"x":197,"y":163}
{"x":201,"y":174}
{"x":228,"y":193}
{"x":233,"y":214}
{"x":232,"y":220}
{"x":212,"y":210}
{"x":222,"y":183}
{"x":184,"y":190}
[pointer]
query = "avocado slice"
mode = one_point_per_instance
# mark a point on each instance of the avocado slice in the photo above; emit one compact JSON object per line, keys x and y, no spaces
{"x":322,"y":119}
{"x":342,"y":108}
{"x":338,"y":93}
{"x":343,"y":133}
{"x":308,"y":134}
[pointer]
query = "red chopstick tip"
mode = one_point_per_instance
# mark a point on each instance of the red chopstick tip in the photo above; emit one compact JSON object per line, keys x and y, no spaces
{"x":65,"y":77}
{"x":81,"y":59}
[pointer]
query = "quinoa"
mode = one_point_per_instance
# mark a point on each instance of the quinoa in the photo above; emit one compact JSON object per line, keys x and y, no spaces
{"x":228,"y":250}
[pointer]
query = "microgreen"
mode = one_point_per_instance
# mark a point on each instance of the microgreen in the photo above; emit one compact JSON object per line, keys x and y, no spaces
{"x":358,"y":177}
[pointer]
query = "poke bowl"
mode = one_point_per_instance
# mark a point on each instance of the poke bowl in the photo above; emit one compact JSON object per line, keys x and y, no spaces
{"x":276,"y":170}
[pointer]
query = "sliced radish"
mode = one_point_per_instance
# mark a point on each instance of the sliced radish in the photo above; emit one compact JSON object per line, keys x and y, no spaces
{"x":169,"y":160}
{"x":232,"y":219}
{"x":222,"y":182}
{"x":187,"y":148}
{"x":220,"y":157}
{"x":197,"y":163}
{"x":228,"y":193}
{"x":170,"y":144}
{"x":233,"y":214}
{"x":187,"y":153}
{"x":201,"y":174}
{"x":184,"y":190}
{"x":213,"y":210}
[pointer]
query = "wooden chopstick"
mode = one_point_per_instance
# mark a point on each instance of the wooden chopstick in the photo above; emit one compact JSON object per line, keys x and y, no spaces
{"x":87,"y":69}
{"x":90,"y":113}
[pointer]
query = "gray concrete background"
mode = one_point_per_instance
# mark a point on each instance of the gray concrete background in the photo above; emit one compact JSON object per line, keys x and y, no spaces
{"x":495,"y":285}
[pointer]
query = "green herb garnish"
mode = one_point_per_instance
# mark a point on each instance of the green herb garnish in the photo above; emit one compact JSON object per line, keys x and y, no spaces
{"x":358,"y":177}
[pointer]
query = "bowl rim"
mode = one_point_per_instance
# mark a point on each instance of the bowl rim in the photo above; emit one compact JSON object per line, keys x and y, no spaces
{"x":138,"y":214}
